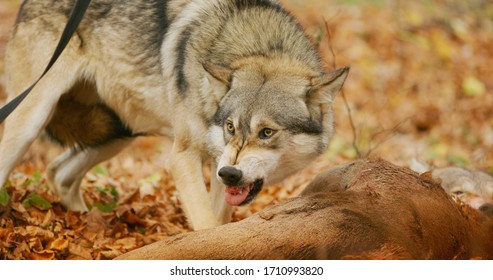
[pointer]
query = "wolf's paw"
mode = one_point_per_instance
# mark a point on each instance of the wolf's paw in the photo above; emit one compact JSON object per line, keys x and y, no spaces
{"x":70,"y":195}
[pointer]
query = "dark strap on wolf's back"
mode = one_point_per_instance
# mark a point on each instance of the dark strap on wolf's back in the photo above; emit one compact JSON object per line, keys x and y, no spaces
{"x":75,"y":18}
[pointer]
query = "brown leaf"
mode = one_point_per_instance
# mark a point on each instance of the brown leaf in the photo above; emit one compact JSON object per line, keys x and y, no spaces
{"x":119,"y":230}
{"x":127,"y":243}
{"x":79,"y":251}
{"x":57,"y":227}
{"x":59,"y":244}
{"x":107,"y":243}
{"x":95,"y":221}
{"x":132,"y":219}
{"x":36,"y":216}
{"x":4,"y":232}
{"x":17,"y":206}
{"x":130,"y":198}
{"x":34,"y":231}
{"x":108,"y":255}
{"x":19,"y":251}
{"x":35,"y":244}
{"x":42,"y":255}
{"x":72,"y":219}
{"x":48,"y":218}
{"x":91,"y":235}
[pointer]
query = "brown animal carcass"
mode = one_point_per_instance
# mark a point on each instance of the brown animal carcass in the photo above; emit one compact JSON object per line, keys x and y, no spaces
{"x":368,"y":209}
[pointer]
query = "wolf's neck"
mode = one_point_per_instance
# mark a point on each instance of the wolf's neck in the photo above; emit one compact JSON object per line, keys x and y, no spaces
{"x":262,"y":32}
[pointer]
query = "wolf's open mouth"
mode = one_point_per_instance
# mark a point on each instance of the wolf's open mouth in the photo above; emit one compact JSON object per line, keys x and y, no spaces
{"x":241,"y":195}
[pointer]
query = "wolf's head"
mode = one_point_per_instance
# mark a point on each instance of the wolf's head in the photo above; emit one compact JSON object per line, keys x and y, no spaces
{"x":273,"y":118}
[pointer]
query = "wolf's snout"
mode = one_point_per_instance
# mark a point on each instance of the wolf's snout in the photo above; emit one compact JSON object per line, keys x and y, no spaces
{"x":230,"y":175}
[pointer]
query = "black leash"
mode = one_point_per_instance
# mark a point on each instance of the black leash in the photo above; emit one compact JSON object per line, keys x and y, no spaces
{"x":76,"y":15}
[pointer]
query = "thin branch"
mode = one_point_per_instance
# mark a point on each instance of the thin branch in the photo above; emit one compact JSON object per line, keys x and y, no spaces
{"x":329,"y":41}
{"x":343,"y":94}
{"x":390,"y":133}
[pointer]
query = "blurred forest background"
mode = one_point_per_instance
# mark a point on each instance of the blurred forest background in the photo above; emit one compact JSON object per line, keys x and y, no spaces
{"x":420,"y":86}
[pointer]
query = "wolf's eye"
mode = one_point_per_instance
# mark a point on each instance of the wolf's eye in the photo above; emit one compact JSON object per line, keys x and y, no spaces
{"x":230,"y":127}
{"x":266,"y":133}
{"x":458,"y":193}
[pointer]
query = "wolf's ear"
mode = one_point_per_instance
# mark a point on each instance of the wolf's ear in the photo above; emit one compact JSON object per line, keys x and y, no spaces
{"x":325,"y":87}
{"x":219,"y":78}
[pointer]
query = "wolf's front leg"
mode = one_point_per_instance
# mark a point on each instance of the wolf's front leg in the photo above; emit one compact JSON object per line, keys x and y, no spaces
{"x":186,"y":169}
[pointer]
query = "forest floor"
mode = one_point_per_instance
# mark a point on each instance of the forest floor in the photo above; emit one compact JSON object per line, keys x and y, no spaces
{"x":420,"y":86}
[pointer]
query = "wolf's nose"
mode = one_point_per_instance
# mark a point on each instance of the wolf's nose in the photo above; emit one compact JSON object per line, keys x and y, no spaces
{"x":230,"y":175}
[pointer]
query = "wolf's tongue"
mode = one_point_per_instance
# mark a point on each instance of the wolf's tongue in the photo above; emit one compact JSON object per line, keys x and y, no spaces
{"x":236,"y":195}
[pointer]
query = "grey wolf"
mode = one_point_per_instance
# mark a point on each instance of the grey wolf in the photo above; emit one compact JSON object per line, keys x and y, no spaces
{"x":236,"y":83}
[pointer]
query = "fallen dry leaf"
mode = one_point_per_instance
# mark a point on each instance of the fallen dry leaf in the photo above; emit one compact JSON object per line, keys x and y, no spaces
{"x":59,"y":244}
